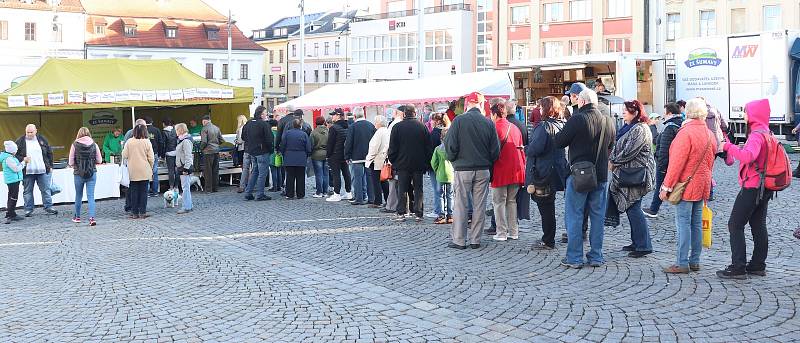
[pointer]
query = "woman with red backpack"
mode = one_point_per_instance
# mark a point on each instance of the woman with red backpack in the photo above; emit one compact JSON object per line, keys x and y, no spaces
{"x":757,"y":163}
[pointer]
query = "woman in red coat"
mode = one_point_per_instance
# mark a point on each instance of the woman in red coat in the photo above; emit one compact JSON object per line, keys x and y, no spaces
{"x":508,"y":173}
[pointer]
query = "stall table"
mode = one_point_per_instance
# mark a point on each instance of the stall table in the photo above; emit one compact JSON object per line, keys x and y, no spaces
{"x":108,"y":177}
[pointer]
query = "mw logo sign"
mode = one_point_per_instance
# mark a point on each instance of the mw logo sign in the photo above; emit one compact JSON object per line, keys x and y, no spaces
{"x":744,"y":51}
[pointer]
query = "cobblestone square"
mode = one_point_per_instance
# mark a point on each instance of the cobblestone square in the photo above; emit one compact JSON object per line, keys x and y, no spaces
{"x":311,"y":271}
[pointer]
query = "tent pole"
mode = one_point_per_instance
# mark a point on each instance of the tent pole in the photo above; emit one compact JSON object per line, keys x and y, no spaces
{"x":133,"y":117}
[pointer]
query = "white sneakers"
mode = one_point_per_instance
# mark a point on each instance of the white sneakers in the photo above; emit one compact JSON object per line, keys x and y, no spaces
{"x":334,"y":198}
{"x":431,"y":215}
{"x":499,"y":238}
{"x":347,"y":196}
{"x":317,"y":196}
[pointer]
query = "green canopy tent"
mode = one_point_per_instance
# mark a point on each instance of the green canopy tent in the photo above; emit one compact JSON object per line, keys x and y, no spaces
{"x":62,"y":91}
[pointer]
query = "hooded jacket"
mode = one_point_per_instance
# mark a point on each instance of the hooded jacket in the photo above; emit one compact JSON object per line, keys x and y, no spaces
{"x":337,"y":134}
{"x":319,"y":142}
{"x":83,"y":142}
{"x":665,"y":140}
{"x":752,"y":153}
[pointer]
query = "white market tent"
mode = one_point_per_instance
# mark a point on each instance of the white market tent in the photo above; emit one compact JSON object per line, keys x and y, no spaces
{"x":433,"y":89}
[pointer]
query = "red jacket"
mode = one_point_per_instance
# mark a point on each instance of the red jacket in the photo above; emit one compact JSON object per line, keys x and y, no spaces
{"x":509,"y":169}
{"x":685,"y":152}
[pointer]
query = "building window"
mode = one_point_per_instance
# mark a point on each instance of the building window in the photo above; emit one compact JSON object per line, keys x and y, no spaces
{"x":619,"y":8}
{"x":316,"y":49}
{"x":294,"y":76}
{"x":388,"y":48}
{"x":99,"y":29}
{"x":553,"y":49}
{"x":280,"y":56}
{"x":30,"y":31}
{"x":580,"y":47}
{"x":438,"y":45}
{"x":336,"y":48}
{"x":618,"y":45}
{"x":520,"y":15}
{"x":272,"y":56}
{"x":772,"y":17}
{"x":172,"y":32}
{"x":580,"y":9}
{"x":213,"y":34}
{"x":225,"y":71}
{"x":673,"y":26}
{"x":738,"y":20}
{"x":316,"y":76}
{"x":294,"y":50}
{"x":336,"y":75}
{"x":281,"y":80}
{"x":209,"y":71}
{"x":271,"y":81}
{"x":327,"y":76}
{"x":553,"y":12}
{"x":130,"y":31}
{"x":276,"y":32}
{"x":244,"y":71}
{"x":519,"y":51}
{"x":327,"y":50}
{"x":3,"y":30}
{"x":708,"y":23}
{"x":58,"y":30}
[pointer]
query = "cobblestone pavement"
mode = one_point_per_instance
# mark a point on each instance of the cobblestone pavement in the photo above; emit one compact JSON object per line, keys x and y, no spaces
{"x":307,"y":271}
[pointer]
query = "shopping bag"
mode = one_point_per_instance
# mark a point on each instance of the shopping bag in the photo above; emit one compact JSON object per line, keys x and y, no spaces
{"x":708,"y":217}
{"x":54,"y":187}
{"x":278,"y":159}
{"x":124,"y":177}
{"x":386,"y":172}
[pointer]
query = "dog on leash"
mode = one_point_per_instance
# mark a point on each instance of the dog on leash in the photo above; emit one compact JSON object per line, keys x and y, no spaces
{"x":195,"y":181}
{"x":172,"y":198}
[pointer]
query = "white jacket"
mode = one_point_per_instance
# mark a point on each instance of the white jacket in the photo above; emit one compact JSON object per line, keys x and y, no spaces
{"x":378,"y":149}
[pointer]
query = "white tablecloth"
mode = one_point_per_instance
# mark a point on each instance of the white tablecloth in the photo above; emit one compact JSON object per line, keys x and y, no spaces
{"x":107,"y":186}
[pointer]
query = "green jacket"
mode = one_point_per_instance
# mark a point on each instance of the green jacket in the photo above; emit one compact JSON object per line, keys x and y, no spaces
{"x":112,"y":146}
{"x":442,"y":167}
{"x":195,"y":130}
{"x":319,"y":139}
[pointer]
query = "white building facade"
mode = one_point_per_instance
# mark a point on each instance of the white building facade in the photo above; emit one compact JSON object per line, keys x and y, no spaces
{"x":385,"y":48}
{"x":29,"y":36}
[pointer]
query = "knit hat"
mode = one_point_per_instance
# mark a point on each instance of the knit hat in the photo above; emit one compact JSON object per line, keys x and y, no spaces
{"x":474,"y":98}
{"x":10,"y":147}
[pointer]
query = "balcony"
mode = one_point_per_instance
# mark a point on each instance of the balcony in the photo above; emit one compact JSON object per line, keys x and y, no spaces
{"x":409,"y":13}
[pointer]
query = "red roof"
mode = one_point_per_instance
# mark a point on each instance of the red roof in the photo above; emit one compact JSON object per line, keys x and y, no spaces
{"x":64,"y":6}
{"x":150,"y":33}
{"x":169,"y":9}
{"x":128,"y":22}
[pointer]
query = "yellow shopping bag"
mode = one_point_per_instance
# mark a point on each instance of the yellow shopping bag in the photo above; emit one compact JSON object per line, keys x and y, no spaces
{"x":708,"y":217}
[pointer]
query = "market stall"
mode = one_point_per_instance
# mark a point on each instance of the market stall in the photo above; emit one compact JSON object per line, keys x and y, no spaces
{"x":427,"y":90}
{"x":107,"y":176}
{"x":64,"y":95}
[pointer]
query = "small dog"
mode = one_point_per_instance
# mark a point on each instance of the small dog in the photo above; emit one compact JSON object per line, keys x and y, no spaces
{"x":195,"y":181}
{"x":172,"y":198}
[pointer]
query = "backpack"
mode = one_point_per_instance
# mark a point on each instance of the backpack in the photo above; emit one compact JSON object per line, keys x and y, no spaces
{"x":85,"y":158}
{"x":776,"y":174}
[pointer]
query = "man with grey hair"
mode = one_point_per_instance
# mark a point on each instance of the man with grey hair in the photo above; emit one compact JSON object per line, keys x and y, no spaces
{"x":376,"y":159}
{"x":35,"y":150}
{"x":589,"y":136}
{"x":356,"y":146}
{"x":393,"y":199}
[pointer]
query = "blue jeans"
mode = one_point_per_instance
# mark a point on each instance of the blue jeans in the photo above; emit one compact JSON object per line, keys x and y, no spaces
{"x":655,"y":205}
{"x":89,"y":183}
{"x":437,"y":194}
{"x":154,"y":185}
{"x":574,"y":204}
{"x":321,"y":176}
{"x":41,"y":180}
{"x":359,"y":182}
{"x":689,"y":227}
{"x":187,"y":192}
{"x":370,"y":189}
{"x":640,"y":233}
{"x":446,"y":201}
{"x":277,"y":176}
{"x":258,"y":174}
{"x":247,"y":162}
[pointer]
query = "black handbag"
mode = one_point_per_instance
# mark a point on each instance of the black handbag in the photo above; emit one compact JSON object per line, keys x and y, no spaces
{"x":539,"y":187}
{"x":584,"y":173}
{"x":632,"y":177}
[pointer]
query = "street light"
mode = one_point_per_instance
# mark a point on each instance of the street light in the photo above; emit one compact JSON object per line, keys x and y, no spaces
{"x":302,"y":47}
{"x":230,"y":39}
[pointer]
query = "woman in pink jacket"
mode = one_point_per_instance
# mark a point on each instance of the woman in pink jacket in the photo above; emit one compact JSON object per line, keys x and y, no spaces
{"x":84,"y":155}
{"x":751,"y":203}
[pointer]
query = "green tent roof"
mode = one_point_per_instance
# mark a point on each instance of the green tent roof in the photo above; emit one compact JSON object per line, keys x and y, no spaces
{"x":63,"y":84}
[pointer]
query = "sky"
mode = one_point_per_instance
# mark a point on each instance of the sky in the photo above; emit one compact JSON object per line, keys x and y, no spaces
{"x":258,"y":14}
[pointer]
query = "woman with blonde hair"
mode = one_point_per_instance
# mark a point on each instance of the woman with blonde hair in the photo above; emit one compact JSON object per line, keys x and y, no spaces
{"x":84,"y":155}
{"x":691,"y":161}
{"x":238,"y":153}
{"x":183,"y":161}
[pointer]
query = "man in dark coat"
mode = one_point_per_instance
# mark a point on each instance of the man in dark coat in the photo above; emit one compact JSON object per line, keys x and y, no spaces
{"x":672,"y":123}
{"x":258,"y":144}
{"x":355,"y":151}
{"x":158,"y":141}
{"x":410,"y":154}
{"x":337,"y":134}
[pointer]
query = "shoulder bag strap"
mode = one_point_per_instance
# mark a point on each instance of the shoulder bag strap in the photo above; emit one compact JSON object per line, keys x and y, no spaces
{"x":506,"y":138}
{"x":703,"y":157}
{"x":602,"y":141}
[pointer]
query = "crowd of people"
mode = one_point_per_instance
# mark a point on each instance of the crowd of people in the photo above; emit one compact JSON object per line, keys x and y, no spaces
{"x":602,"y":169}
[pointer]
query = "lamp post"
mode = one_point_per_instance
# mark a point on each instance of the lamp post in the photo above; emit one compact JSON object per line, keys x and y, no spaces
{"x":230,"y":39}
{"x":302,"y":48}
{"x":420,"y":38}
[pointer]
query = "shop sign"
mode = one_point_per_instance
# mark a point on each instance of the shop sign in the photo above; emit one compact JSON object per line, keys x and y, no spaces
{"x":393,"y":24}
{"x":331,"y":65}
{"x":102,"y":122}
{"x":276,"y":69}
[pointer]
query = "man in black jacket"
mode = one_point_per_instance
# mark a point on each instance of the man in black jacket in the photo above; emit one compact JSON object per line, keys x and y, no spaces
{"x":410,"y":155}
{"x":356,"y":147}
{"x":589,"y":136}
{"x":472,"y":146}
{"x":36,"y":152}
{"x":170,"y":144}
{"x":337,"y":134}
{"x":257,"y":137}
{"x":159,"y":150}
{"x":282,"y":126}
{"x":672,"y":115}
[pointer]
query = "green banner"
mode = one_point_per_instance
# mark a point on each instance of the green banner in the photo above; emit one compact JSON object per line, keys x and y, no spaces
{"x":101,"y":122}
